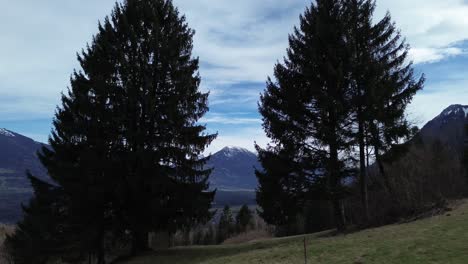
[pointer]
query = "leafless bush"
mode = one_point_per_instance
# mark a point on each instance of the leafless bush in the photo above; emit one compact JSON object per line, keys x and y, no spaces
{"x":423,"y":179}
{"x":208,"y":234}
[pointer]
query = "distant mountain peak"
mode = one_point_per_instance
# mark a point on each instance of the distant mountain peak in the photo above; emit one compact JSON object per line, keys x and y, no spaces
{"x":233,"y":169}
{"x":231,"y":151}
{"x":456,"y":110}
{"x":6,"y":132}
{"x":448,"y":128}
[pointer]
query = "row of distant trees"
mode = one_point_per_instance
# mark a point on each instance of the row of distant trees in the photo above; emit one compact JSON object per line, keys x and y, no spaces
{"x":227,"y":223}
{"x":335,"y":106}
{"x":126,"y":152}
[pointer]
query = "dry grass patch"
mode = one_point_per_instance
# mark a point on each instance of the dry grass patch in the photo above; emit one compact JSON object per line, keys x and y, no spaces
{"x":248,"y":237}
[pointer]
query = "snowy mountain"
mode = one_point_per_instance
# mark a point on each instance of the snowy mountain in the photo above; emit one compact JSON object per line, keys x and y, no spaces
{"x":448,"y":127}
{"x":233,"y":174}
{"x":17,"y":154}
{"x":233,"y":169}
{"x":6,"y":133}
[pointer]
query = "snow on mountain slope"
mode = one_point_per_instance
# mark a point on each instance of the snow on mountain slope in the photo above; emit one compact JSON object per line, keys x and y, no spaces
{"x":6,"y":132}
{"x":234,"y":169}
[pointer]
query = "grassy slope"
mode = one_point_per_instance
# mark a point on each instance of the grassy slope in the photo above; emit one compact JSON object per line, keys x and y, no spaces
{"x":441,"y":239}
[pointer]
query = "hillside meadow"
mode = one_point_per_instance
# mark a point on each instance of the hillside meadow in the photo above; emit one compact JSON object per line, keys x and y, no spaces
{"x":439,"y":239}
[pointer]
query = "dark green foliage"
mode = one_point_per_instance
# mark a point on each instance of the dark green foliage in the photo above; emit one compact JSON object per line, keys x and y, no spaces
{"x":126,"y":146}
{"x":414,"y":131}
{"x":162,"y":181}
{"x":305,"y":113}
{"x":342,"y":89}
{"x":209,"y":238}
{"x":37,"y":238}
{"x":382,"y":85}
{"x":279,"y":205}
{"x":79,"y":160}
{"x":226,"y":225}
{"x":465,"y":151}
{"x":243,"y":219}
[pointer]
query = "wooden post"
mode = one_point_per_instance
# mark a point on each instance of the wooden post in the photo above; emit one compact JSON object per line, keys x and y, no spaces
{"x":305,"y":251}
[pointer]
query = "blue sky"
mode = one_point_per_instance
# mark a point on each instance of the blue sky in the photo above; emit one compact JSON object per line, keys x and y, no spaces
{"x":238,"y":43}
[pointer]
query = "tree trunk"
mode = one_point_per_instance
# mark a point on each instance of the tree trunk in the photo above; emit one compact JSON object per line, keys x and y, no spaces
{"x":100,"y":254}
{"x":338,"y":215}
{"x":139,"y":241}
{"x":335,"y":189}
{"x":100,"y":257}
{"x":363,"y":171}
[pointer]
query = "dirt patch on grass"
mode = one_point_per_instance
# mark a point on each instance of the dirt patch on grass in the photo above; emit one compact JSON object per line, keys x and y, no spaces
{"x":248,"y":236}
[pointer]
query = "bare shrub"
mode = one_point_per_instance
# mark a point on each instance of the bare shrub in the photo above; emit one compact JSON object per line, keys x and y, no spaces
{"x":424,"y":178}
{"x":208,"y":234}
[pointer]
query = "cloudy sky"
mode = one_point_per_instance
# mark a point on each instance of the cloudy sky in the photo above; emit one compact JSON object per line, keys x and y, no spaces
{"x":238,"y":43}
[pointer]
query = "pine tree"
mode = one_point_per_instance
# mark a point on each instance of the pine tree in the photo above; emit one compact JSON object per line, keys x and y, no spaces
{"x":36,"y":238}
{"x":465,"y":151}
{"x":243,"y":218}
{"x":382,"y":83}
{"x":225,"y":225}
{"x":306,"y":112}
{"x":162,"y":178}
{"x":80,"y":159}
{"x":126,"y":149}
{"x":281,"y":184}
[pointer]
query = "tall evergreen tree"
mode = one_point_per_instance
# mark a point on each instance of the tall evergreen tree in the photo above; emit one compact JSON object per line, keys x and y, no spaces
{"x":465,"y":151}
{"x":382,"y":82}
{"x":126,"y":149}
{"x":36,"y":238}
{"x":162,"y":179}
{"x":81,"y":158}
{"x":306,"y":112}
{"x":243,"y":218}
{"x":226,"y":224}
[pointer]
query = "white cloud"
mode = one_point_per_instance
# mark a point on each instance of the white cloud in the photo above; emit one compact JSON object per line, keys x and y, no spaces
{"x":431,"y":27}
{"x":233,"y":96}
{"x":229,"y":120}
{"x":426,"y":106}
{"x":245,"y":37}
{"x":237,"y":41}
{"x":430,"y":55}
{"x":241,"y":40}
{"x":38,"y":47}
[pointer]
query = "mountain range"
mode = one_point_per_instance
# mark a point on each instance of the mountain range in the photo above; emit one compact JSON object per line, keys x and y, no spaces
{"x":17,"y":155}
{"x":233,"y":173}
{"x":448,"y":128}
{"x":233,"y":169}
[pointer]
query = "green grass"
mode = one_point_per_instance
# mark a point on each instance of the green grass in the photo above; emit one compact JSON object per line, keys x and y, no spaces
{"x":440,"y":239}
